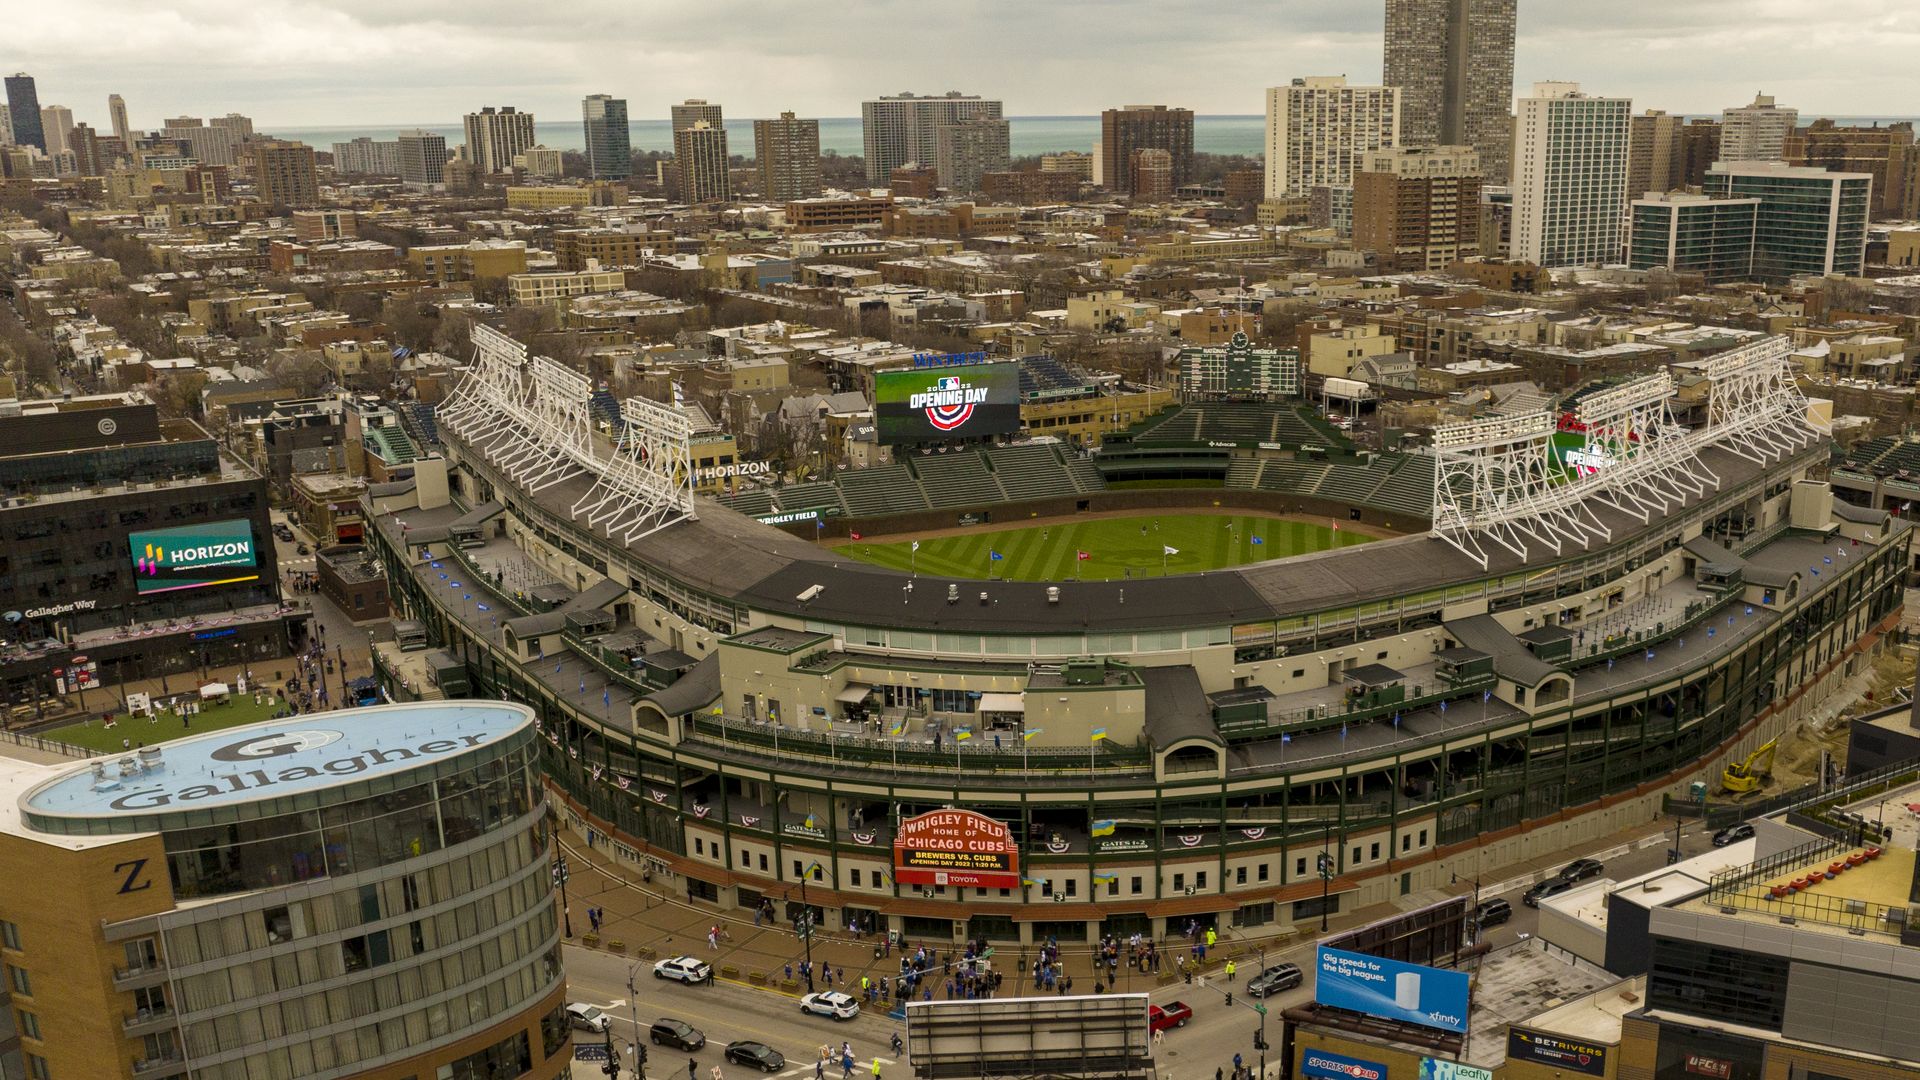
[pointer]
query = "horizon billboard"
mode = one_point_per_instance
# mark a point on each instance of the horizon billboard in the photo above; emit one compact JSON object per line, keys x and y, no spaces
{"x":194,"y":556}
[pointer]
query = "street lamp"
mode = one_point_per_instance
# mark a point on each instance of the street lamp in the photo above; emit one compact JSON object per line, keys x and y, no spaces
{"x":803,"y":922}
{"x":560,"y":875}
{"x":1326,"y":871}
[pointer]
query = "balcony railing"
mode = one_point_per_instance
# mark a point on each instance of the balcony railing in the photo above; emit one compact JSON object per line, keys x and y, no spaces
{"x":1319,"y":718}
{"x":152,"y":971}
{"x":975,"y":755}
{"x":145,"y":1021}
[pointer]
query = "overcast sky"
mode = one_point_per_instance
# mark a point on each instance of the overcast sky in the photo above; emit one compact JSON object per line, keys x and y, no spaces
{"x":379,"y":62}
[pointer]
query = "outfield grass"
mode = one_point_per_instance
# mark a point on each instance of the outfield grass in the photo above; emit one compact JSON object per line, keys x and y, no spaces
{"x":1120,"y":547}
{"x":238,"y":709}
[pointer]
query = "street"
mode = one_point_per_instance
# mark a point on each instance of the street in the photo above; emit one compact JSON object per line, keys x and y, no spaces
{"x":727,"y":1011}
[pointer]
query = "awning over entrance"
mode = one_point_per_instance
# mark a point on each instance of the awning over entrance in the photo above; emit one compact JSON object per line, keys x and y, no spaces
{"x":1003,"y":703}
{"x":854,"y":694}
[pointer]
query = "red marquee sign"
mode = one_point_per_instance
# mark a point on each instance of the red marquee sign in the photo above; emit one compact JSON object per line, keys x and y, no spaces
{"x":956,"y":847}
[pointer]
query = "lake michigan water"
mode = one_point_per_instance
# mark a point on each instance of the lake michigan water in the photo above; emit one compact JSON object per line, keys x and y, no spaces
{"x":1244,"y":135}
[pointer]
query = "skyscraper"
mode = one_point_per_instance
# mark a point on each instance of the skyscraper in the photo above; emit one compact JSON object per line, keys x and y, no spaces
{"x":56,"y":123}
{"x":423,"y":158}
{"x":364,"y":156}
{"x":86,"y":151}
{"x":1653,"y":153}
{"x":117,"y":111}
{"x":1756,"y":132}
{"x":693,"y":111}
{"x":609,"y":151}
{"x":966,"y":150}
{"x":1318,"y":127}
{"x":1453,"y":63}
{"x":494,"y":136}
{"x":788,"y":153}
{"x":1569,"y":176}
{"x":284,"y":174}
{"x":206,"y":145}
{"x":905,"y":128}
{"x":1810,"y":221}
{"x":1144,"y":127}
{"x":700,"y":153}
{"x":23,"y":108}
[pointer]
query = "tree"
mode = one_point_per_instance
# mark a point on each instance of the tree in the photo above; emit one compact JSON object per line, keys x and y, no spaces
{"x":302,"y":371}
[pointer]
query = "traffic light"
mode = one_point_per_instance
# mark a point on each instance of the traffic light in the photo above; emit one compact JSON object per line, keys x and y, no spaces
{"x":640,"y":1059}
{"x":1326,"y":865}
{"x":1259,"y":1040}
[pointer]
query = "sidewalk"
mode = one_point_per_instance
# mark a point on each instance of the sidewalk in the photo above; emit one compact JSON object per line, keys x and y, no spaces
{"x":648,"y":924}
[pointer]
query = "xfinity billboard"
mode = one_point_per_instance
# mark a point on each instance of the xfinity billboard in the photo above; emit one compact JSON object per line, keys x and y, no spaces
{"x":1410,"y":993}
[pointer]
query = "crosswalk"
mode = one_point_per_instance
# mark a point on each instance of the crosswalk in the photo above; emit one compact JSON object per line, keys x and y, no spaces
{"x":860,"y":1065}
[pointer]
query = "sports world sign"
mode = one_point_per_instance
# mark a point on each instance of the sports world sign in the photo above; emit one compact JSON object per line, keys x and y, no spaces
{"x":956,"y":847}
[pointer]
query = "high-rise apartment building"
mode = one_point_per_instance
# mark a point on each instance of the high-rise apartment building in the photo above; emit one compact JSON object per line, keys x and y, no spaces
{"x":1138,"y":127}
{"x":1810,"y":221}
{"x":56,"y":122}
{"x":1569,"y":176}
{"x":1693,"y":234}
{"x":1653,"y":153}
{"x":1882,"y":151}
{"x":1069,"y":161}
{"x":787,"y":151}
{"x":1418,"y":208}
{"x":1318,"y":127}
{"x":206,"y":145}
{"x":540,"y":161}
{"x":495,"y":136}
{"x":1756,"y":132}
{"x":23,"y":108}
{"x":608,"y":146}
{"x":1453,"y":63}
{"x":966,"y":150}
{"x":285,"y":176}
{"x":700,"y":153}
{"x":238,"y":129}
{"x":1699,"y":148}
{"x":117,"y":113}
{"x":423,"y":158}
{"x":85,"y":147}
{"x":364,"y":156}
{"x":1150,"y":174}
{"x":696,"y":110}
{"x":904,"y":129}
{"x":6,"y":128}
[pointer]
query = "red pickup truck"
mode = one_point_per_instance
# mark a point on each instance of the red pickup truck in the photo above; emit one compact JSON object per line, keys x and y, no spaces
{"x":1174,"y":1014}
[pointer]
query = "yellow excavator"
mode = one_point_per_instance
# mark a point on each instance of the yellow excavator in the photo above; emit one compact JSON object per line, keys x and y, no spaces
{"x":1742,"y":777}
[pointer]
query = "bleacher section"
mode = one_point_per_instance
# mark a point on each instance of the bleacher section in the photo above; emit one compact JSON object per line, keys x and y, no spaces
{"x":604,"y":410}
{"x":1244,"y":473}
{"x":956,"y":480}
{"x":419,"y":421}
{"x":1409,"y":490}
{"x":391,"y":445}
{"x":1349,"y":483}
{"x":1870,"y":454}
{"x":1295,"y":477}
{"x":1243,"y":423}
{"x":1021,"y":473}
{"x":883,"y":489}
{"x":1046,"y":376}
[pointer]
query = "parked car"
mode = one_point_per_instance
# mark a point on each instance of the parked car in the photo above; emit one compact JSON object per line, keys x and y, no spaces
{"x":1493,"y":912}
{"x":1733,"y":834}
{"x":667,"y":1031}
{"x":755,"y":1054}
{"x":1582,"y":869}
{"x":1548,"y":888}
{"x":303,"y":549}
{"x":831,"y":1003}
{"x":588,"y":1017}
{"x":686,"y":969}
{"x":1274,"y":979}
{"x":1171,"y":1015}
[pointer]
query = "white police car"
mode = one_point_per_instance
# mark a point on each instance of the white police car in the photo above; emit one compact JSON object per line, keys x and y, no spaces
{"x":686,"y":969}
{"x":831,"y":1003}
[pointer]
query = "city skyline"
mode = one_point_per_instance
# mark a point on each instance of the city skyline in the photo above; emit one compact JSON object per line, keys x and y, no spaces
{"x":258,"y":58}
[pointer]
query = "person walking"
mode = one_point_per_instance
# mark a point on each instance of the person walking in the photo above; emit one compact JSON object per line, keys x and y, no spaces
{"x":693,"y":1069}
{"x":876,"y":1068}
{"x":820,"y":1069}
{"x":1230,"y":969}
{"x":846,"y":1065}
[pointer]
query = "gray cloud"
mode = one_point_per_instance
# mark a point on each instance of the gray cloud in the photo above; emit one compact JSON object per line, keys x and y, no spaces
{"x":304,"y":62}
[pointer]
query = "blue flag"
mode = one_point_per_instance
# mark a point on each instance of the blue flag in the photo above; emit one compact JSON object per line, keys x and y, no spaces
{"x":994,"y":555}
{"x":1258,"y":540}
{"x":606,"y":697}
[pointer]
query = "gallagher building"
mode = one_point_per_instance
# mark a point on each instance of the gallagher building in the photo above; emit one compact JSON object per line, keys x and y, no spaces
{"x":364,"y":893}
{"x":740,"y":708}
{"x":130,"y":548}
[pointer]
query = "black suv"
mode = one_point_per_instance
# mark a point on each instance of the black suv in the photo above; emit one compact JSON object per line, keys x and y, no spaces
{"x":667,"y":1031}
{"x":1492,"y":912}
{"x":1547,"y":888}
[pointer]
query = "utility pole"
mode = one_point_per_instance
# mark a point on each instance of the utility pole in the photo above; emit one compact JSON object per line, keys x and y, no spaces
{"x":560,"y":875}
{"x":803,"y":923}
{"x":612,"y":1067}
{"x":633,"y":1009}
{"x":1326,"y":870}
{"x":1261,"y":1008}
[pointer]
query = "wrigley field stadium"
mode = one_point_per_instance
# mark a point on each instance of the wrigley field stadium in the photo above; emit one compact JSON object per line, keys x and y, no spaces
{"x":1563,"y":613}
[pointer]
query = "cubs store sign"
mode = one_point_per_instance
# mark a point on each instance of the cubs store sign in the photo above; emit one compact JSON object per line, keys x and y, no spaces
{"x":955,"y":847}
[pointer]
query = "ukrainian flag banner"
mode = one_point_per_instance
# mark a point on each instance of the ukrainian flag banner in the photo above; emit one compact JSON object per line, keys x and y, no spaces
{"x":1104,"y":828}
{"x":1099,"y":733}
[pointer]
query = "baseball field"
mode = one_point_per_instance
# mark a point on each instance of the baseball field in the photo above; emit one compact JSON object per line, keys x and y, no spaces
{"x":1105,"y":547}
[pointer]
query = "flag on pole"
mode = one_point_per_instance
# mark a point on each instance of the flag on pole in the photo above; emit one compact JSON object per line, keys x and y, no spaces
{"x":1168,"y":549}
{"x":1486,"y":696}
{"x":1259,"y":540}
{"x":994,"y":556}
{"x":1083,"y":556}
{"x":606,"y":697}
{"x":899,"y":726}
{"x":1027,"y":735}
{"x":853,"y":536}
{"x":1099,"y":733}
{"x":1103,"y":828}
{"x":916,"y":545}
{"x":962,"y":734}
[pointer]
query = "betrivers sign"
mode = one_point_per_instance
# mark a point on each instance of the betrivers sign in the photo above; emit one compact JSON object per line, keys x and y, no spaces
{"x":261,"y":749}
